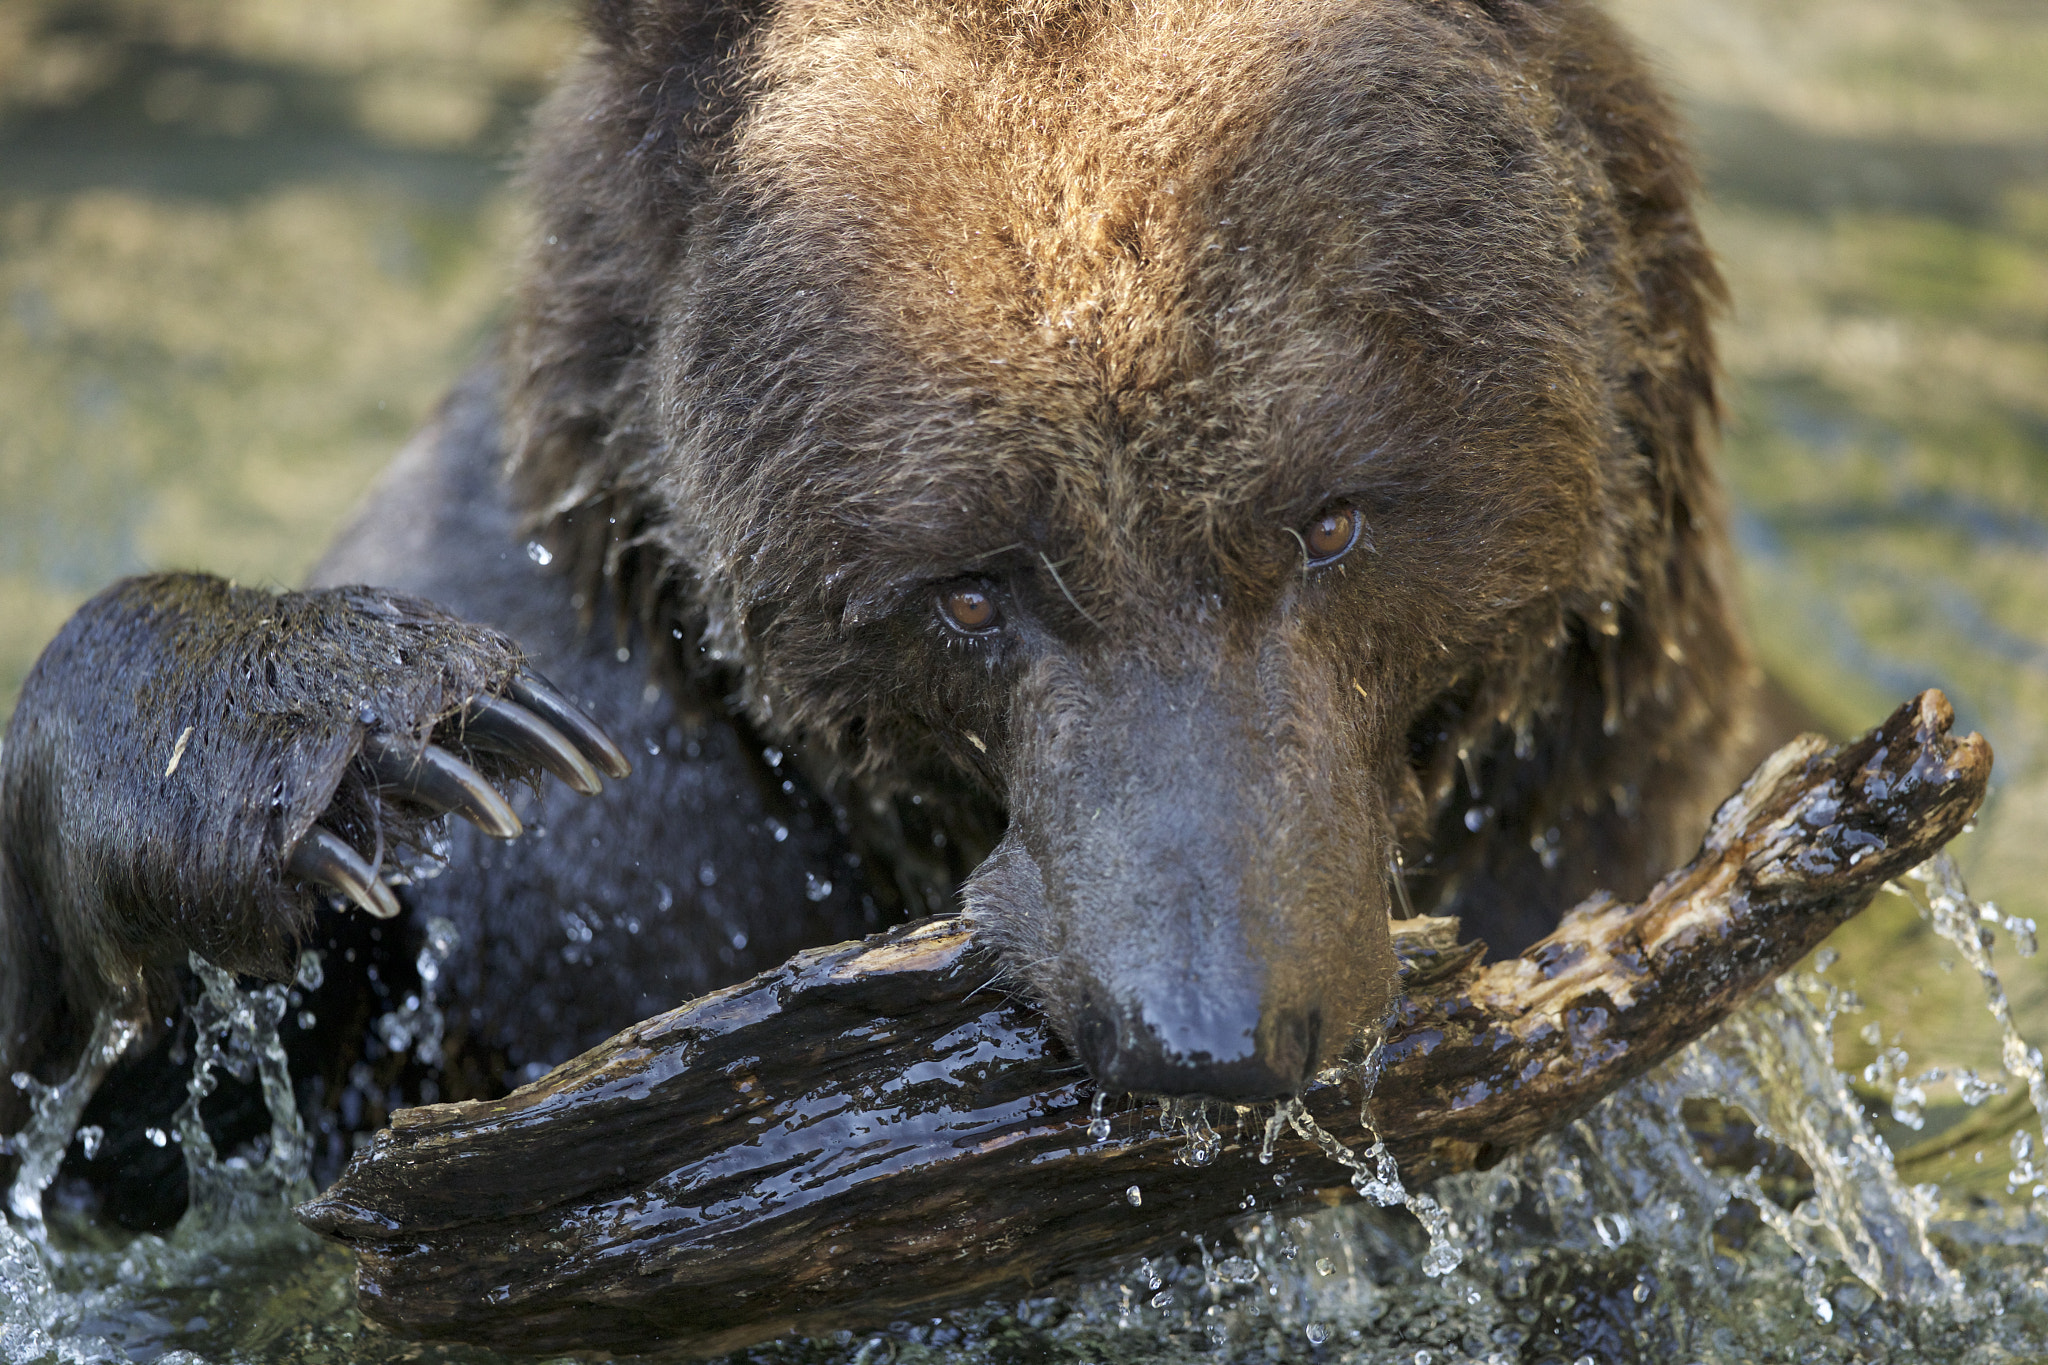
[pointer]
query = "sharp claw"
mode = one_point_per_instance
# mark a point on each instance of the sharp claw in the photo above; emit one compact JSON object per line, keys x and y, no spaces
{"x":323,"y":859}
{"x":537,"y":695}
{"x":440,"y":781}
{"x":505,"y":728}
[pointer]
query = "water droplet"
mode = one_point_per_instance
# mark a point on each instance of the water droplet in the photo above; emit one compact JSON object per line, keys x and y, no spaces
{"x":1641,"y":1293}
{"x":537,"y":552}
{"x":1378,"y":1179}
{"x":442,"y":936}
{"x":1137,"y":1197}
{"x":1444,"y":1254}
{"x":157,"y":1136}
{"x":2025,"y":935}
{"x":89,"y":1139}
{"x":1190,"y":1118}
{"x":1316,"y":1333}
{"x":1163,"y":1299}
{"x":1273,"y":1126}
{"x":1612,"y":1229}
{"x":1825,"y":958}
{"x":1098,"y":1122}
{"x":1975,"y":1089}
{"x":816,"y":888}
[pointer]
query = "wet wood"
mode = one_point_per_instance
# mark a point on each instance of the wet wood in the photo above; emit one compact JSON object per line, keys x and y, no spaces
{"x":874,"y":1130}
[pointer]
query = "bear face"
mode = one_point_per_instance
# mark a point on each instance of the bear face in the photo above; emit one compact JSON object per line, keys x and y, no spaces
{"x":1210,"y":431}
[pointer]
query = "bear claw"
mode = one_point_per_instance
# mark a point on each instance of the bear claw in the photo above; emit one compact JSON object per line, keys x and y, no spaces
{"x":502,"y":727}
{"x":537,"y":695}
{"x":325,"y":860}
{"x":528,"y":730}
{"x":440,"y":781}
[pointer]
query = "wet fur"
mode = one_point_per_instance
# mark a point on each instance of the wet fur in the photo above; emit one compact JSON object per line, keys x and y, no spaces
{"x":833,"y":303}
{"x":111,"y":879}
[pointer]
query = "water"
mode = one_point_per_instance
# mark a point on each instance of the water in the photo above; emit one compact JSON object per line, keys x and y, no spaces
{"x":1733,"y":1205}
{"x":54,"y":1113}
{"x":241,"y":253}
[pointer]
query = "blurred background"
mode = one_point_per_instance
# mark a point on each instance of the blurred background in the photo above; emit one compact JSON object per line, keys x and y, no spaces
{"x":245,"y":244}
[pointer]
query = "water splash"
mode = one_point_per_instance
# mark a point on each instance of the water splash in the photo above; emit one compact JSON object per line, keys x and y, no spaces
{"x":1189,"y":1119}
{"x":235,"y":1031}
{"x":1631,"y":1230}
{"x":1620,"y":1228}
{"x":234,"y":1277}
{"x":1945,"y":901}
{"x":418,"y":1024}
{"x":55,"y":1110}
{"x":1377,"y":1177}
{"x":1774,"y":1062}
{"x":1626,"y":1235}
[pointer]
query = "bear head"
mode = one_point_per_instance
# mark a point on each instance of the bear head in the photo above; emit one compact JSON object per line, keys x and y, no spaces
{"x":1195,"y":426}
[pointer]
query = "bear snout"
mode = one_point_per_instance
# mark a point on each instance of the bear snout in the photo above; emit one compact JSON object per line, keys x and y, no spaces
{"x":1190,"y":890}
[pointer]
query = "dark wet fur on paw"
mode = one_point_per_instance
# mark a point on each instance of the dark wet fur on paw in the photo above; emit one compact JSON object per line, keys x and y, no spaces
{"x":143,"y":733}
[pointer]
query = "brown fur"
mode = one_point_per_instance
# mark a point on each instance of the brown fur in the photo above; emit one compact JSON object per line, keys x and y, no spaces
{"x":838,"y":300}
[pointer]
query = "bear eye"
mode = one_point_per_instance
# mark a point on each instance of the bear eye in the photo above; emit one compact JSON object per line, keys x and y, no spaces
{"x":1330,"y":536}
{"x":968,"y":609}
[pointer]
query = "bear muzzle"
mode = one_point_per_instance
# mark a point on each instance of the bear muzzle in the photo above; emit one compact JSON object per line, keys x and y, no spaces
{"x":1193,"y":892}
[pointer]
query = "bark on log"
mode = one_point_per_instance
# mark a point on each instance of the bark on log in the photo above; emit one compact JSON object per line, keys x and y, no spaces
{"x":874,"y":1131}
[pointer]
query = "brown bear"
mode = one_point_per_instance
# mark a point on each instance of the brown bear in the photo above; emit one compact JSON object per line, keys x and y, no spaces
{"x":1188,"y":479}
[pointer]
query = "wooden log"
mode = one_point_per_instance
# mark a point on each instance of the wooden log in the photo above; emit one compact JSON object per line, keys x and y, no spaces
{"x":876,"y":1130}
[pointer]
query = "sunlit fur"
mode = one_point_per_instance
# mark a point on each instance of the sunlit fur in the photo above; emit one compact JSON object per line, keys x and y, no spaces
{"x":835,"y":302}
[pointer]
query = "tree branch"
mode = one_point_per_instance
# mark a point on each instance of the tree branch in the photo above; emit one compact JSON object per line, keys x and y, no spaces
{"x":871,"y":1132}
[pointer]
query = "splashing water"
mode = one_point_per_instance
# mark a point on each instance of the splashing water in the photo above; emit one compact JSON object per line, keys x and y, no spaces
{"x":418,"y":1025}
{"x":1631,"y":1234}
{"x":1618,"y":1239}
{"x":55,"y":1109}
{"x":236,"y":1031}
{"x":1376,"y":1176}
{"x":236,"y":1277}
{"x":1201,"y":1143}
{"x":1966,"y":924}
